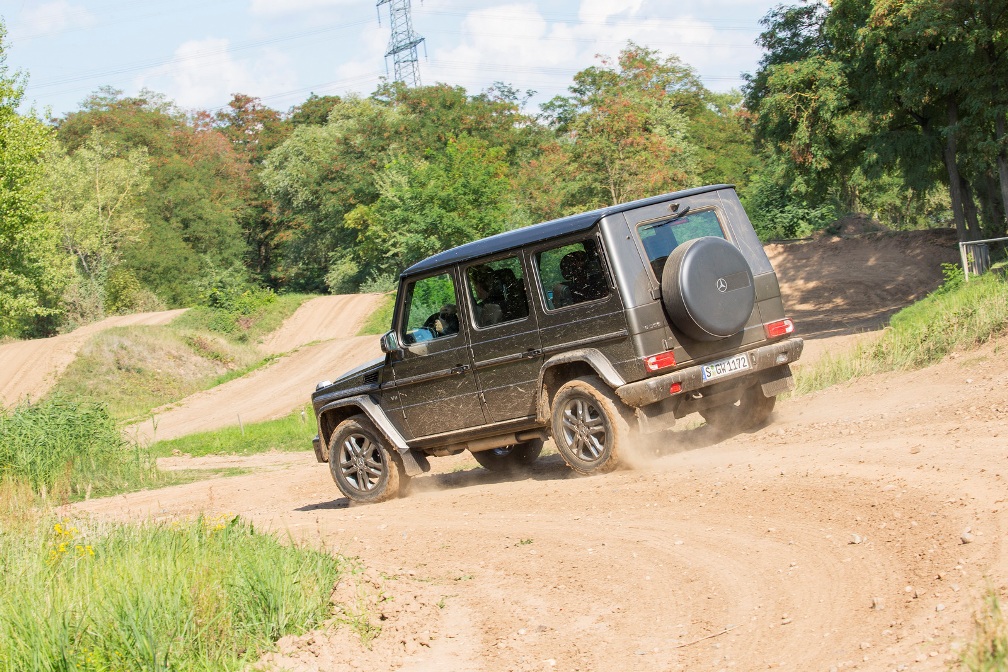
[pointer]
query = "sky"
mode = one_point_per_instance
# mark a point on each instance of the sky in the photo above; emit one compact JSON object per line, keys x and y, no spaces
{"x":200,"y":52}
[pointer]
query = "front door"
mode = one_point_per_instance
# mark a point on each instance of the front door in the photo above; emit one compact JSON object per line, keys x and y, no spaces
{"x":434,"y":378}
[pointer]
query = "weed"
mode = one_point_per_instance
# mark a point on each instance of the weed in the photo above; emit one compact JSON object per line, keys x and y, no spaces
{"x":988,"y":652}
{"x":380,"y":320}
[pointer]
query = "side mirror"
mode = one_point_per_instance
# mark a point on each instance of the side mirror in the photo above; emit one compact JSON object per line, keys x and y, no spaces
{"x":390,"y":343}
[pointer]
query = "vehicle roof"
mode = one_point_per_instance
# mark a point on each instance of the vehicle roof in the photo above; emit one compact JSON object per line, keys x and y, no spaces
{"x":510,"y":240}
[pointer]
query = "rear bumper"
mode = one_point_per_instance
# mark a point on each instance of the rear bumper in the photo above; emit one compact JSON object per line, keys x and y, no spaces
{"x":656,"y":389}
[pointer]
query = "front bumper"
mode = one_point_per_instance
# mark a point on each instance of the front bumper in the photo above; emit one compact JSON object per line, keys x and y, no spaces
{"x":317,"y":446}
{"x":656,"y":389}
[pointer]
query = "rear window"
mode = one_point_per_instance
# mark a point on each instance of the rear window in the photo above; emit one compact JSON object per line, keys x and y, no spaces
{"x":661,"y":237}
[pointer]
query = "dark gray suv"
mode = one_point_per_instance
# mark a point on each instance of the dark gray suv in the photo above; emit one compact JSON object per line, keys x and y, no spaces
{"x":583,"y":329}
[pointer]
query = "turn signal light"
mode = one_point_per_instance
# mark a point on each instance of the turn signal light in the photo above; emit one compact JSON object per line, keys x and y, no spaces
{"x":779,"y":328}
{"x":660,"y":361}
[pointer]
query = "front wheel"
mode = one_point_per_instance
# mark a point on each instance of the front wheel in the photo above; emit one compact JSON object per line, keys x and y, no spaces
{"x":362,"y":466}
{"x":589,"y":427}
{"x":750,"y":411}
{"x":510,"y":458}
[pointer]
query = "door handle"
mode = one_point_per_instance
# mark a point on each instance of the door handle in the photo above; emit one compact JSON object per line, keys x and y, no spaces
{"x":462,"y":368}
{"x":530,"y":353}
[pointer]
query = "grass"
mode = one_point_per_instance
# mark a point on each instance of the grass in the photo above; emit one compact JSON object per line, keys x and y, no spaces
{"x":71,"y":450}
{"x":290,"y":434}
{"x":205,"y":594}
{"x":988,"y":652}
{"x":135,"y":369}
{"x":958,"y":316}
{"x":380,"y":320}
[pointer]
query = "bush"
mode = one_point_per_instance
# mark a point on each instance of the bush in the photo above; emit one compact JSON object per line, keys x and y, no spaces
{"x":70,"y":449}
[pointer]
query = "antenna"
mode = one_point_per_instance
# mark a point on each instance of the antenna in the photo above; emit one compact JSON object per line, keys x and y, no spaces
{"x":403,"y":43}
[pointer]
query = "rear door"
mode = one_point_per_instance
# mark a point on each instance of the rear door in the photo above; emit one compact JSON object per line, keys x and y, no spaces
{"x":507,"y":352}
{"x":434,"y":378}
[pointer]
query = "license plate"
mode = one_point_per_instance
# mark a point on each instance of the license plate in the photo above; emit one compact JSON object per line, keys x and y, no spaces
{"x":725,"y":367}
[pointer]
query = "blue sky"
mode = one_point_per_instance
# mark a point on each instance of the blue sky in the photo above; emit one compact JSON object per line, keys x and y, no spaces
{"x":199,"y":52}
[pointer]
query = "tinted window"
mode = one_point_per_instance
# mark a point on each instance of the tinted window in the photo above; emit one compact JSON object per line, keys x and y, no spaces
{"x":431,"y":309}
{"x":660,"y":238}
{"x":497,"y":292}
{"x":572,"y":274}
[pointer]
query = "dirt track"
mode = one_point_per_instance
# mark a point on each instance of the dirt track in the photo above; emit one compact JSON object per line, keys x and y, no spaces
{"x":857,"y":531}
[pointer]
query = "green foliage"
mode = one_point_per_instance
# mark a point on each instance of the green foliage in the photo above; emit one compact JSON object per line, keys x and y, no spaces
{"x":988,"y":652}
{"x":205,"y":594}
{"x":70,"y":448}
{"x":777,"y":214}
{"x":33,"y":270}
{"x":290,"y":434}
{"x":957,"y":318}
{"x":380,"y":320}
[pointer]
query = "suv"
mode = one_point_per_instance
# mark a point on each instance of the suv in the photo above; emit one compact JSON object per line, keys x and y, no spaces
{"x":582,"y":328}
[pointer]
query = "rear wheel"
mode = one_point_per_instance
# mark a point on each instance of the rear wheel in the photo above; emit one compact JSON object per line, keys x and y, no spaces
{"x":589,"y":428}
{"x":509,"y":458}
{"x":750,"y":411}
{"x":361,"y":464}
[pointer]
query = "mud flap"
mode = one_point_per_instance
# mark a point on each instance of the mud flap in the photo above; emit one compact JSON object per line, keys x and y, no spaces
{"x":777,"y":380}
{"x":414,"y":464}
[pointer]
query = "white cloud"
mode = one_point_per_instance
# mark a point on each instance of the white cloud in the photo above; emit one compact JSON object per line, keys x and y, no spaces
{"x":52,"y":18}
{"x":601,"y":10}
{"x":279,"y":7}
{"x":204,"y":74}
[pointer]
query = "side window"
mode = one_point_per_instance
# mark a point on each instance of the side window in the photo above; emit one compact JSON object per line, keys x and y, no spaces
{"x":497,"y":292}
{"x":572,"y":274}
{"x":661,"y":237}
{"x":431,"y":309}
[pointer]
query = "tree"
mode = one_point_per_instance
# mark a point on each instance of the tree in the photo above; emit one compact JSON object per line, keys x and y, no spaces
{"x":96,"y":195}
{"x":33,"y":271}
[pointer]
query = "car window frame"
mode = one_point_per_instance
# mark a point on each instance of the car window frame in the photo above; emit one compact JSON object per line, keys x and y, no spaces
{"x":471,"y":309}
{"x":533,"y":261}
{"x":402,"y":312}
{"x":722,"y":220}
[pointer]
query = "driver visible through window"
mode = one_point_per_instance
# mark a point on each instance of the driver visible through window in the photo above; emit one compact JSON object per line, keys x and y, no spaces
{"x":431,"y":309}
{"x":660,"y":238}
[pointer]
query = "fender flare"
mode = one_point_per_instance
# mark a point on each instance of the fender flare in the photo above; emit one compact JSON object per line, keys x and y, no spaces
{"x":413,"y":463}
{"x":590,"y":356}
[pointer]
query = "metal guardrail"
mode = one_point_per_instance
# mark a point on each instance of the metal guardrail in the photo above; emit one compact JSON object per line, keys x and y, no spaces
{"x":978,"y":261}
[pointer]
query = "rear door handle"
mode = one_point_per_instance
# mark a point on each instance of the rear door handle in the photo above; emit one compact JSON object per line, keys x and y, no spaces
{"x":462,"y":368}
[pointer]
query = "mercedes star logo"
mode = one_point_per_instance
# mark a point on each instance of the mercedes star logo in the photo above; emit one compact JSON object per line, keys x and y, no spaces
{"x":722,"y":285}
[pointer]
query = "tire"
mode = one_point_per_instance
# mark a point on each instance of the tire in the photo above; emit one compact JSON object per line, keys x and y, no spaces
{"x":361,"y":464}
{"x":751,"y":411}
{"x":510,"y":458}
{"x":589,"y":428}
{"x":707,"y":289}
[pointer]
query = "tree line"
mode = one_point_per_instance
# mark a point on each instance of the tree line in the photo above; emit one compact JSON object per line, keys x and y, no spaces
{"x":129,"y":203}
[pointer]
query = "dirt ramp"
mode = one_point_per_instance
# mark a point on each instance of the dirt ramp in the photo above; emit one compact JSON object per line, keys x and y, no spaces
{"x":844,"y":285}
{"x":267,"y":393}
{"x":322,"y":319}
{"x":28,"y":369}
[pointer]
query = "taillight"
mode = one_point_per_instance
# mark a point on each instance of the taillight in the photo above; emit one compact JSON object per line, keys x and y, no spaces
{"x":779,"y":328}
{"x":675,"y":388}
{"x":660,"y":361}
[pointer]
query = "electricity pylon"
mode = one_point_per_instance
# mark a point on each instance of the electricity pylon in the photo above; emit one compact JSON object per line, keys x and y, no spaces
{"x":402,"y":46}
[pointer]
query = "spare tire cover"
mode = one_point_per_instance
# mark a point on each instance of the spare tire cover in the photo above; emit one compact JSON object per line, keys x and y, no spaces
{"x":707,"y":288}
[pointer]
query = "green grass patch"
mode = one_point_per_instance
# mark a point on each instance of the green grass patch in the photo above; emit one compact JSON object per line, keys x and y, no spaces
{"x":242,"y":323}
{"x":959,"y":316}
{"x":209,"y":594}
{"x":71,"y":450}
{"x":290,"y":434}
{"x":380,"y":320}
{"x":988,"y":652}
{"x":135,"y":369}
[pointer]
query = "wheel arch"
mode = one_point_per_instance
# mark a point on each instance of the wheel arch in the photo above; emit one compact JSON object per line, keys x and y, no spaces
{"x":335,"y":412}
{"x":566,"y":366}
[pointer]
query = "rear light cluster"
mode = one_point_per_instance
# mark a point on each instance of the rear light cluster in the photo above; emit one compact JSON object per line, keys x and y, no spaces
{"x":779,"y":328}
{"x":660,"y":361}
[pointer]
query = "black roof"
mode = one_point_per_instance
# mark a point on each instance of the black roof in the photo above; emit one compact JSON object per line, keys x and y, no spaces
{"x":517,"y":238}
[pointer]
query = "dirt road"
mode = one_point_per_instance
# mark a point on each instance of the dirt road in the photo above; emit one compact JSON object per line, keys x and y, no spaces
{"x":28,"y":369}
{"x":858,"y":530}
{"x":831,"y":539}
